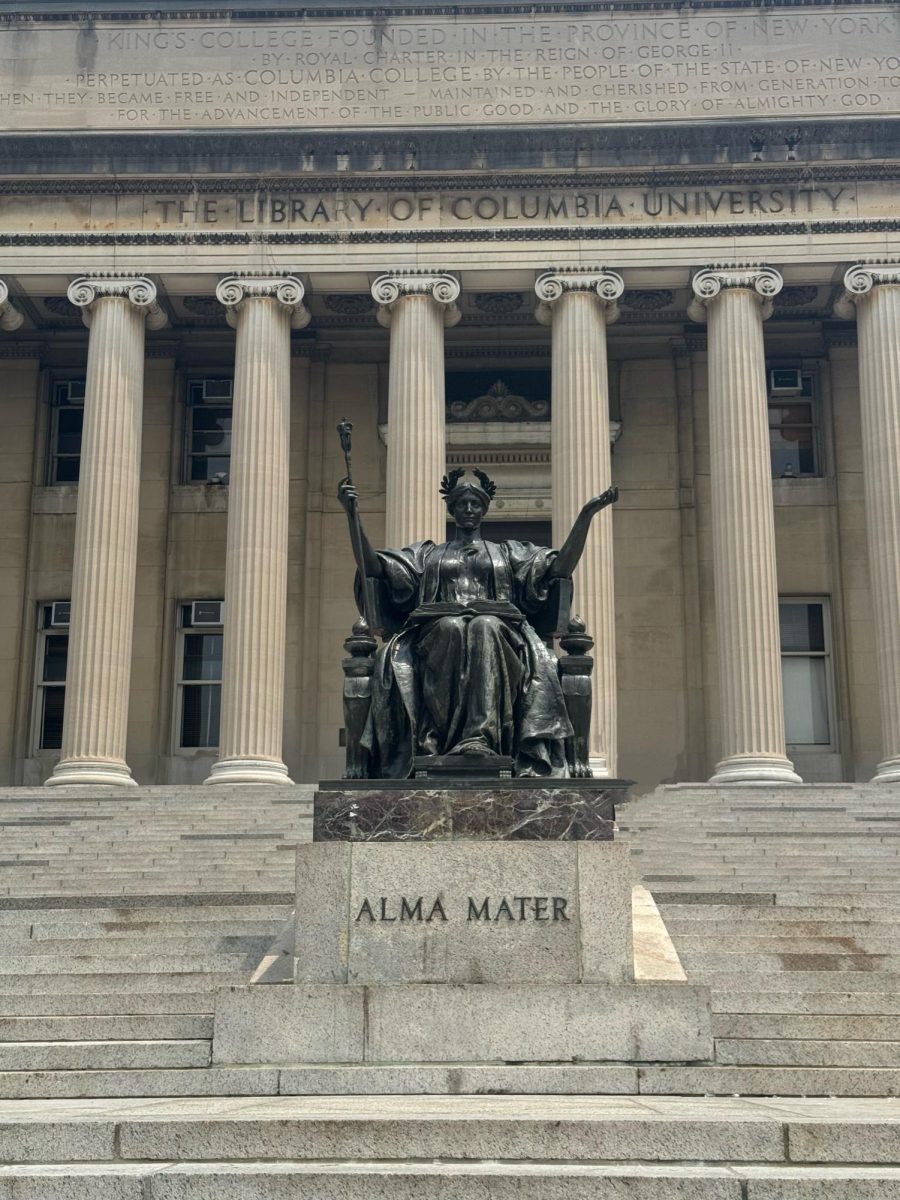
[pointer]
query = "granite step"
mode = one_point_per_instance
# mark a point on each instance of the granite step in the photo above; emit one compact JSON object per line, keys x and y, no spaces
{"x":822,"y":1002}
{"x":817,"y":1027}
{"x":168,"y":1027}
{"x":805,"y":1053}
{"x":104,"y":1055}
{"x":136,"y":1082}
{"x":722,"y":1080}
{"x":104,"y":1003}
{"x":447,"y":1181}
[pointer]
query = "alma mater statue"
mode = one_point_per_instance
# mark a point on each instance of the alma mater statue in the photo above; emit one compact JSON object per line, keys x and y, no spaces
{"x":464,"y":669}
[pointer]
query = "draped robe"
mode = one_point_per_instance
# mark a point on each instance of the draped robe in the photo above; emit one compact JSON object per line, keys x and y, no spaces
{"x":466,"y":667}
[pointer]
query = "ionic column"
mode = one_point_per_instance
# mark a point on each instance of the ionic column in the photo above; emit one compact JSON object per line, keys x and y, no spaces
{"x":98,"y":679}
{"x":416,"y":308}
{"x":10,"y":317}
{"x":579,"y":305}
{"x":262,"y":310}
{"x":872,"y":296}
{"x":734,"y":303}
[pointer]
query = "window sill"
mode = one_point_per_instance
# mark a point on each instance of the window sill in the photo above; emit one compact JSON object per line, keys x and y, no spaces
{"x":803,"y":491}
{"x":55,"y":498}
{"x":199,"y":497}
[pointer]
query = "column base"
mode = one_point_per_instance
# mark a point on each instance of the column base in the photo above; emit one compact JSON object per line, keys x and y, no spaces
{"x":887,"y":771}
{"x":600,"y":766}
{"x":755,"y":768}
{"x":81,"y":772}
{"x":248,"y":770}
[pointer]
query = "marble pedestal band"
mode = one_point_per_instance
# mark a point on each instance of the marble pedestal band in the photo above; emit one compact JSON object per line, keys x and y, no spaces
{"x":578,"y":305}
{"x":734,"y":302}
{"x":872,"y":297}
{"x":106,"y":529}
{"x":262,"y":310}
{"x":416,"y":307}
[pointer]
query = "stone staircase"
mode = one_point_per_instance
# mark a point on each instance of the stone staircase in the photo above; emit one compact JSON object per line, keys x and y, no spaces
{"x":785,"y":901}
{"x":120,"y":916}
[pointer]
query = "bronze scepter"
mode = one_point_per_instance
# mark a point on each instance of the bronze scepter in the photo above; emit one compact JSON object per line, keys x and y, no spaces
{"x":345,"y":429}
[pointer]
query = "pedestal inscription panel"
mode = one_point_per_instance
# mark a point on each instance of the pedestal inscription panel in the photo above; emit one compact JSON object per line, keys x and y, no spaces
{"x":463,"y":912}
{"x":434,"y":70}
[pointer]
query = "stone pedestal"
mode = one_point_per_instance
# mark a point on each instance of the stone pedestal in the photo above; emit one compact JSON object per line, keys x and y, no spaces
{"x":416,"y":306}
{"x":734,"y":303}
{"x":262,"y":310}
{"x":579,"y":305}
{"x":442,"y":938}
{"x":98,"y":680}
{"x":872,"y":296}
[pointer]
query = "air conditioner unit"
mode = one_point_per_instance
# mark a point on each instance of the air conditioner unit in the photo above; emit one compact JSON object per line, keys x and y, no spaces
{"x":60,"y":614}
{"x":785,"y":381}
{"x":207,"y":612}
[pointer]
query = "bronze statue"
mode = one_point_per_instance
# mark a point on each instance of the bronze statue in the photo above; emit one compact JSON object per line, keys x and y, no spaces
{"x":464,"y":669}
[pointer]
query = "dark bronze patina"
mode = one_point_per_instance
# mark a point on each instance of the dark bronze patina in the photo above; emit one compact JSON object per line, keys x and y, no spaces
{"x":464,"y":673}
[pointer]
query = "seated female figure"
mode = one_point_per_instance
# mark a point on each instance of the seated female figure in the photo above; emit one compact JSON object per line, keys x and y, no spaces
{"x":465,"y":671}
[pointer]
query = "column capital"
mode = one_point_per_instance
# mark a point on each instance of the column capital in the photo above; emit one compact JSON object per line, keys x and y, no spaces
{"x":141,"y":292}
{"x":388,"y":290}
{"x":10,"y":317}
{"x":608,"y":286}
{"x":859,"y":281}
{"x":709,"y":283}
{"x":234,"y":290}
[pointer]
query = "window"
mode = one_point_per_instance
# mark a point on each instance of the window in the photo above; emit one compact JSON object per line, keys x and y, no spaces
{"x":200,"y":673}
{"x":208,"y":455}
{"x":793,"y":429}
{"x":66,"y":422}
{"x":806,"y":672}
{"x":50,"y":689}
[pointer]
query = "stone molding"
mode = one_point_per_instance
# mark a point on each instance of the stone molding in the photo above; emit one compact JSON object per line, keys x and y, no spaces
{"x":708,"y":283}
{"x":389,"y":290}
{"x":552,"y":285}
{"x":234,"y":290}
{"x":138,"y":290}
{"x":10,"y":317}
{"x":859,"y":281}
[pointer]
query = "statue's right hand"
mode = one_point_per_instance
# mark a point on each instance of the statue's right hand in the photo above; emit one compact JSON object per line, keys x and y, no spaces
{"x":348,"y":496}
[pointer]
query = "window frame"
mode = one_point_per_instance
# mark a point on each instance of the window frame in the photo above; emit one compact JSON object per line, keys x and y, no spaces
{"x":832,"y":746}
{"x":809,"y":376}
{"x":56,"y":407}
{"x":43,"y":633}
{"x":194,"y":399}
{"x":183,"y":631}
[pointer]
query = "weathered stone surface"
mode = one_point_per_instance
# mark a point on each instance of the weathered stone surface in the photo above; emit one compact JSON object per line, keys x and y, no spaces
{"x":459,"y":1079}
{"x":464,"y":912}
{"x":289,"y":1023}
{"x":514,"y":810}
{"x":474,"y":1023}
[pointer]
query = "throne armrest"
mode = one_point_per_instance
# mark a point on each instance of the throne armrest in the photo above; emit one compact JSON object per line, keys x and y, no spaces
{"x":553,"y":618}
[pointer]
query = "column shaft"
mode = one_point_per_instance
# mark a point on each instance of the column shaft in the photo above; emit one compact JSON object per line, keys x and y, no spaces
{"x":581,"y":468}
{"x":878,"y":319}
{"x":251,"y":731}
{"x":747,"y":628}
{"x":103,"y":580}
{"x":416,"y":452}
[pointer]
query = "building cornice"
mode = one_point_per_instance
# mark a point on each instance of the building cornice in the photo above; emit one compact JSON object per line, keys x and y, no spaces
{"x":367,"y":237}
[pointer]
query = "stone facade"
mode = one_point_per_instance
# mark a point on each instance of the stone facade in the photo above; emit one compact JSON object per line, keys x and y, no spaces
{"x":461,"y":225}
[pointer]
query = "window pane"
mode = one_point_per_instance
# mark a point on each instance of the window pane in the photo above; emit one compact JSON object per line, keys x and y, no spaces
{"x":56,"y":649}
{"x":202,"y":656}
{"x":211,"y":418}
{"x":805,"y":702}
{"x":53,"y":701}
{"x":790,"y":414}
{"x":66,"y":470}
{"x":802,"y":626}
{"x":205,"y":470}
{"x":200,"y":715}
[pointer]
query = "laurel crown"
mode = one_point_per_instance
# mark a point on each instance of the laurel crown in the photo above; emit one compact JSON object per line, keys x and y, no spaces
{"x":450,"y":481}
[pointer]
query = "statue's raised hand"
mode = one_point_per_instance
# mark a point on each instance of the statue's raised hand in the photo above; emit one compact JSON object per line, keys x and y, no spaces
{"x":594,"y":505}
{"x":348,"y":496}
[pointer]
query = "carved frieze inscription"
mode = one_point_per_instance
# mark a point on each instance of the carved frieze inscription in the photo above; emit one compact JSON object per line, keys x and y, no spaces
{"x":453,"y":210}
{"x":437,"y":70}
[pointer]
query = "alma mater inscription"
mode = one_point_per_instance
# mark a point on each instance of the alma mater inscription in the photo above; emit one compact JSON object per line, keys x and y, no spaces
{"x":485,"y":908}
{"x":438,"y":70}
